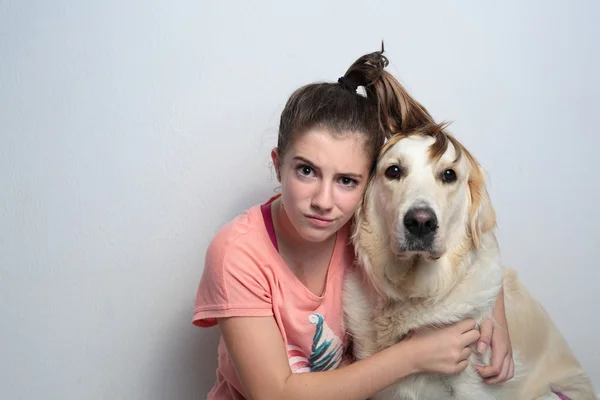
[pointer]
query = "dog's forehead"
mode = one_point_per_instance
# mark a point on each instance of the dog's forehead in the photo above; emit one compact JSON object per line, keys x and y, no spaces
{"x":416,"y":149}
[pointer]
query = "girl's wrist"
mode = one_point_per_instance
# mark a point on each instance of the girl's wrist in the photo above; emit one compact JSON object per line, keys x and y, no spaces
{"x":409,"y":351}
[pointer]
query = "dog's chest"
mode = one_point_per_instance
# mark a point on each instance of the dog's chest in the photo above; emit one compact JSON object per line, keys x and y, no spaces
{"x":393,"y":321}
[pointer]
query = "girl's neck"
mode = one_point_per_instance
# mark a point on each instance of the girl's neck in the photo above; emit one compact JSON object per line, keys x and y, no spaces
{"x":309,"y":261}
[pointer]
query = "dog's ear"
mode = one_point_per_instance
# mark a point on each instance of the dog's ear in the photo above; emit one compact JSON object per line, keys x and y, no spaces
{"x":482,"y":216}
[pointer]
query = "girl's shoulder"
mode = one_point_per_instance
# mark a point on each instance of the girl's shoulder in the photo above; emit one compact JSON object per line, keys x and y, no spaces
{"x":244,"y":227}
{"x":236,"y":280}
{"x":245,"y":234}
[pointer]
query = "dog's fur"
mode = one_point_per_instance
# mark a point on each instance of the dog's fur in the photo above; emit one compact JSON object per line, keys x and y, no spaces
{"x":403,"y":283}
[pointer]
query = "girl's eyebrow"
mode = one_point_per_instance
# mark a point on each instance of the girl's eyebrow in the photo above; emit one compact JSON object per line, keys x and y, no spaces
{"x":312,"y":165}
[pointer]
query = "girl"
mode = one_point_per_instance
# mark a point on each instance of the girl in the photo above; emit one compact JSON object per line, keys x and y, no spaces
{"x":273,"y":276}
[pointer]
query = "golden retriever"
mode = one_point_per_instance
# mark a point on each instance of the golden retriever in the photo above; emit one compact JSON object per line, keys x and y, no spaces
{"x":428,"y":256}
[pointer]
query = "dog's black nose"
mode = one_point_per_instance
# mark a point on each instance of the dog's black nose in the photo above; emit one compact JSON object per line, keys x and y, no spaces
{"x":420,"y":221}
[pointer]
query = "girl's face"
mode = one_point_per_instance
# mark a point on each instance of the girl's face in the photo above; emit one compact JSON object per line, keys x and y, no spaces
{"x":323,"y":178}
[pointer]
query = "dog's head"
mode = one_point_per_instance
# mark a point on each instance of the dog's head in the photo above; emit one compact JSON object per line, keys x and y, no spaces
{"x":425,"y":208}
{"x":426,"y":205}
{"x":432,"y":192}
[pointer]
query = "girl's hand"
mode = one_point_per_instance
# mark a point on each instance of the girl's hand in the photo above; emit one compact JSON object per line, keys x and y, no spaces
{"x":444,"y":350}
{"x":502,"y":367}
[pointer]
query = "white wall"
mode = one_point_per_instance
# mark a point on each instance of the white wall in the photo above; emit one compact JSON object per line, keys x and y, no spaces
{"x":131,"y":131}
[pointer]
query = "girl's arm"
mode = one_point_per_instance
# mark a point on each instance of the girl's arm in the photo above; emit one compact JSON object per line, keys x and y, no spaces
{"x":260,"y":358}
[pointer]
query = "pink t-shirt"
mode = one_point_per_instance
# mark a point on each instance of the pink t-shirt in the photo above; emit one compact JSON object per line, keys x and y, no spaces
{"x":244,"y":275}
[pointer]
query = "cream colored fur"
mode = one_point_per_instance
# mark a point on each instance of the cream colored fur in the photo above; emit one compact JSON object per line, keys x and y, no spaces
{"x":394,"y":291}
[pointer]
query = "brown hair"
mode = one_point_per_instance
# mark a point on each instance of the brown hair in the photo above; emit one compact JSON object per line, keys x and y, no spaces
{"x":337,"y":107}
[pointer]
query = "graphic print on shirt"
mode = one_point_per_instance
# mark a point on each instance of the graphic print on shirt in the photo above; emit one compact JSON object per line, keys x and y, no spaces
{"x":326,"y":349}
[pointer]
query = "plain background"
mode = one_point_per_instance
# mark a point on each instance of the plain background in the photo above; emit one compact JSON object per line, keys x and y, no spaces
{"x":131,"y":131}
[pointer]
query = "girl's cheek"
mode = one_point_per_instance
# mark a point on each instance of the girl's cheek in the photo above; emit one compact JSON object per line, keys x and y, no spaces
{"x":350,"y":200}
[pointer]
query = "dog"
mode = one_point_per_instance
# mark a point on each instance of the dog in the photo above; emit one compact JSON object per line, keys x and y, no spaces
{"x":427,"y":255}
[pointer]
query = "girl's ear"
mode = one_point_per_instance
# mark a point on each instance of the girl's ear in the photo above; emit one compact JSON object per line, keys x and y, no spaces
{"x":276,"y":164}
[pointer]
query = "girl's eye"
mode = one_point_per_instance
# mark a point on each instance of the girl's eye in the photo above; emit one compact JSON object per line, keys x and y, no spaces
{"x":304,"y":170}
{"x":348,"y":181}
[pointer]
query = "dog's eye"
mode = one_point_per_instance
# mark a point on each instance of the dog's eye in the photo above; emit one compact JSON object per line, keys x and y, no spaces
{"x":449,"y":176}
{"x":393,"y":172}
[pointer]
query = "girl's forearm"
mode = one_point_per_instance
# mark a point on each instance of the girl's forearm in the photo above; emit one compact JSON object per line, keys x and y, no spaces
{"x":357,"y":381}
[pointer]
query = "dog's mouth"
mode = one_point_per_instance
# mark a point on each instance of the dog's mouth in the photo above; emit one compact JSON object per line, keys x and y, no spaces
{"x":426,"y":254}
